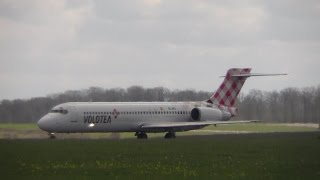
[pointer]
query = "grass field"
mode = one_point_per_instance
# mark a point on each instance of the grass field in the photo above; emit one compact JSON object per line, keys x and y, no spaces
{"x":237,"y":156}
{"x":31,"y":131}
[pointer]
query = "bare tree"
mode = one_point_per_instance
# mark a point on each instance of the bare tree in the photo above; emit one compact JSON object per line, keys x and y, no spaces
{"x":288,"y":105}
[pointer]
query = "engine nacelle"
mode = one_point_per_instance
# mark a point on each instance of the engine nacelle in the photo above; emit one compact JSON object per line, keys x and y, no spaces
{"x":209,"y":114}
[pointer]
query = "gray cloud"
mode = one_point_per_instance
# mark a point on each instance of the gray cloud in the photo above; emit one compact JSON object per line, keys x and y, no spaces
{"x":52,"y":46}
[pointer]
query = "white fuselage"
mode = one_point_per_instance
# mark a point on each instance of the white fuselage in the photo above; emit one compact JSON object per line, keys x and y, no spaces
{"x":116,"y":117}
{"x":142,"y":117}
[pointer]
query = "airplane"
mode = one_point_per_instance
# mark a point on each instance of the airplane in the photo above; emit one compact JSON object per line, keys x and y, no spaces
{"x":150,"y":117}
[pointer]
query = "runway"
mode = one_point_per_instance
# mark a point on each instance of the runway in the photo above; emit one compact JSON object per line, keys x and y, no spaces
{"x":31,"y":131}
{"x":228,"y":135}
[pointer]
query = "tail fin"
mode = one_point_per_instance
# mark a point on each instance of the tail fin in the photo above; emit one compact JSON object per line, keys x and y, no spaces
{"x":228,"y":91}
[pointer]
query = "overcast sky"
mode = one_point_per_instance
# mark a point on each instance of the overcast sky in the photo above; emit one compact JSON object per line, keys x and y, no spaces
{"x":54,"y":45}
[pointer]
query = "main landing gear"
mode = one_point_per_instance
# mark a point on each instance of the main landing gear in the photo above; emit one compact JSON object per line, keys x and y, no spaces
{"x":51,"y":135}
{"x":141,"y":135}
{"x":170,"y":135}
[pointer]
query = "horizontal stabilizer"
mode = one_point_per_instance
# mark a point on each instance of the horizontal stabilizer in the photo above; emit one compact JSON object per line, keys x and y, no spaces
{"x":255,"y":74}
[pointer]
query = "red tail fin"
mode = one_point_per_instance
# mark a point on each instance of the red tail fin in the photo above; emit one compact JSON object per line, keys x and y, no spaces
{"x":228,"y":91}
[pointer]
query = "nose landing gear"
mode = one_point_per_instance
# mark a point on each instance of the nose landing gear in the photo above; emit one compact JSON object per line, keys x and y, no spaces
{"x":51,"y":135}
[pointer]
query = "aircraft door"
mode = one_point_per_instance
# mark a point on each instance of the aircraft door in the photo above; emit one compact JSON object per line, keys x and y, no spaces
{"x":73,"y":121}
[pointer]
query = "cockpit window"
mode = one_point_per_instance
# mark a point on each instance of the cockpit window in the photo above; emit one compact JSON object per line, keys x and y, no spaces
{"x":60,"y":110}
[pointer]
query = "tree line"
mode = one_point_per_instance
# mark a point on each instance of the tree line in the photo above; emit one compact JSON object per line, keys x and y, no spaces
{"x":287,"y":105}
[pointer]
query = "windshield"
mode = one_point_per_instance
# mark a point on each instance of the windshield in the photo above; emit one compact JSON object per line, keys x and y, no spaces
{"x":60,"y":110}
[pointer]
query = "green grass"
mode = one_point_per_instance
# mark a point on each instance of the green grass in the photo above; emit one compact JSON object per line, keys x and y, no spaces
{"x":19,"y":126}
{"x":282,"y":156}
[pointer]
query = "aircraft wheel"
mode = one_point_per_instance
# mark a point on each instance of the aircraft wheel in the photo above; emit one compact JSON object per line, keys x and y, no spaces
{"x":141,"y":135}
{"x":170,"y":135}
{"x":145,"y":136}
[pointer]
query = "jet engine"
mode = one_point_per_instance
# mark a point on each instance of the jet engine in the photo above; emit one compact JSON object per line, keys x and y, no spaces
{"x":209,"y":114}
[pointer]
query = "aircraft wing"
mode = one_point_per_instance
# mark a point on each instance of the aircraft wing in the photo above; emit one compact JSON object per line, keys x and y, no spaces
{"x":185,"y":126}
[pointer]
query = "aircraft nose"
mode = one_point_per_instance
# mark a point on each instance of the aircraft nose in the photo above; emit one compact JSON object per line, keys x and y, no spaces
{"x":43,"y":123}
